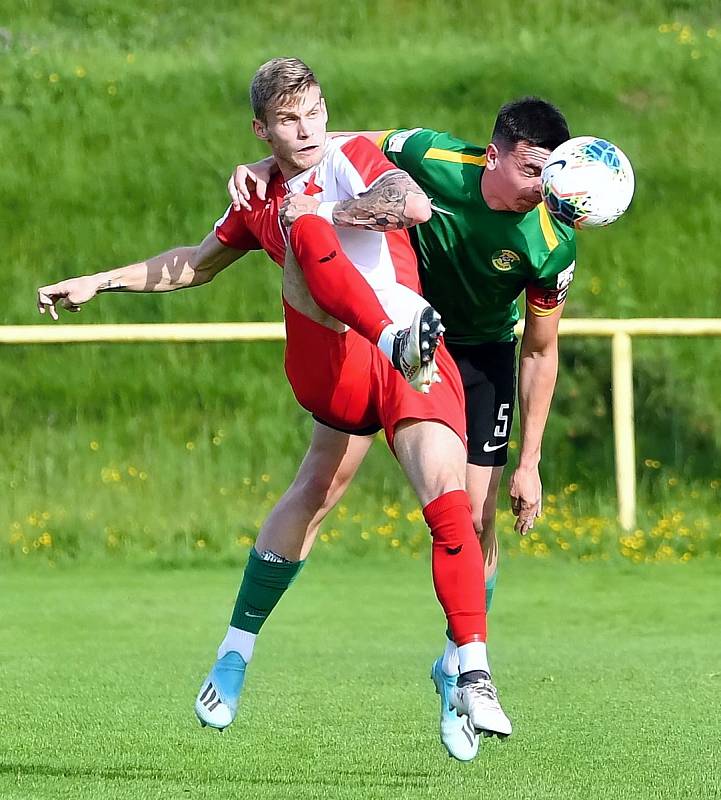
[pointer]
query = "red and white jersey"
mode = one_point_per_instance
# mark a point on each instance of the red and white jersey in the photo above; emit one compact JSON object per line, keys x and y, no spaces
{"x":349,"y":167}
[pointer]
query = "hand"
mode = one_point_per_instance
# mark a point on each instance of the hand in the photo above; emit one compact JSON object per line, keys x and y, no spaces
{"x":70,"y":294}
{"x":246,"y":178}
{"x":296,"y":205}
{"x":526,"y":498}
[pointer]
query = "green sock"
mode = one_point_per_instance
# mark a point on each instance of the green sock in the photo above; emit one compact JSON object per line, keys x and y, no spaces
{"x":490,"y":588}
{"x":264,"y":583}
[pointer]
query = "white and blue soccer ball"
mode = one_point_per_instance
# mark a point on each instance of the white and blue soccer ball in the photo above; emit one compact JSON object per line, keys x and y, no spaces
{"x":587,"y":182}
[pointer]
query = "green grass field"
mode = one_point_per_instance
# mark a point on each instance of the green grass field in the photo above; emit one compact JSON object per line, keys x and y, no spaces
{"x":611,"y":677}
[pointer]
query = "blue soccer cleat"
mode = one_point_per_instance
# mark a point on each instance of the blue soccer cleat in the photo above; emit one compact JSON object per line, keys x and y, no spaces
{"x":217,"y":702}
{"x":457,"y":734}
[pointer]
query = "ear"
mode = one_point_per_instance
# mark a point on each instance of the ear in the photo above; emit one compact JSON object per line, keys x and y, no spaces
{"x":260,"y":130}
{"x":324,"y":109}
{"x":491,"y":157}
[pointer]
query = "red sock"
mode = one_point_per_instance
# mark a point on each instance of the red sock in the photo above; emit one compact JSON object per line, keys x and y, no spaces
{"x":457,"y":566}
{"x":334,"y":283}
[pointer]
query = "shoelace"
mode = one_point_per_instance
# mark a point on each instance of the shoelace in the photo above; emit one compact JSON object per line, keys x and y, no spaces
{"x":484,"y":689}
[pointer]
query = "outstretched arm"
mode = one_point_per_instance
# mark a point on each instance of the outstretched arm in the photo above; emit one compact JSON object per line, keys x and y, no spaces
{"x":179,"y":268}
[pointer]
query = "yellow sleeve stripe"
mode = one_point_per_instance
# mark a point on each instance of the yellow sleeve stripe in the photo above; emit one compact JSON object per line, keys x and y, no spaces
{"x":381,"y":140}
{"x":547,"y":227}
{"x":541,"y":312}
{"x":437,"y":154}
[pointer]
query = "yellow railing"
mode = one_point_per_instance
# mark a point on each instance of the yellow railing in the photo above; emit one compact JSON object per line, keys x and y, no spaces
{"x":619,"y":330}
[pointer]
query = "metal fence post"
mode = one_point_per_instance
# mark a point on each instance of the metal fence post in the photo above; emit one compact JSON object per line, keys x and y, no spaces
{"x":623,"y":429}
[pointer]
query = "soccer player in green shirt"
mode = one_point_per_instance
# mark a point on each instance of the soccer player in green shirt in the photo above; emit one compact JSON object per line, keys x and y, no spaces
{"x":489,"y":240}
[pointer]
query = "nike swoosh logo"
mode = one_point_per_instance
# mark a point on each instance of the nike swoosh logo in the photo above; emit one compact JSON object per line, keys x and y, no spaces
{"x":489,"y":448}
{"x":454,"y":551}
{"x":260,"y":616}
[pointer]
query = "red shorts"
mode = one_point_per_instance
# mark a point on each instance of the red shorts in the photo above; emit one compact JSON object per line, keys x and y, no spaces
{"x":348,"y":384}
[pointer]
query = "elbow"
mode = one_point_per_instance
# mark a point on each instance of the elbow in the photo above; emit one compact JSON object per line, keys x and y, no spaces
{"x":418,"y":209}
{"x":201,"y":277}
{"x":546,"y":352}
{"x":196,"y":271}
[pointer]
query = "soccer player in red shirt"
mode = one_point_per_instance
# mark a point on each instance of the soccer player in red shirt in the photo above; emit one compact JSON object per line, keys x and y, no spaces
{"x":340,"y":375}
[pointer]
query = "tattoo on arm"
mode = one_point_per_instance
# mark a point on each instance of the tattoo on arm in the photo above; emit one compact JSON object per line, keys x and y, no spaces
{"x":382,"y":207}
{"x":112,"y":286}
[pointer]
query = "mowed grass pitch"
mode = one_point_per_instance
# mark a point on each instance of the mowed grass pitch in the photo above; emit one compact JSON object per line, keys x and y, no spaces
{"x":611,"y":675}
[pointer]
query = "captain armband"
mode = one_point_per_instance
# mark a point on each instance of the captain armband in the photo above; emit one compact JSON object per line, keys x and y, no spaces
{"x":542,"y":301}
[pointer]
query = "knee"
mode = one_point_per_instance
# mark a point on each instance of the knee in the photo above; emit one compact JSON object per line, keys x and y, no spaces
{"x":448,"y":479}
{"x":311,"y":491}
{"x":320,"y":491}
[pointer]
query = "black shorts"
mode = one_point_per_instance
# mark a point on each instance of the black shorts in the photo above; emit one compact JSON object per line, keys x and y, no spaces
{"x":488,"y":372}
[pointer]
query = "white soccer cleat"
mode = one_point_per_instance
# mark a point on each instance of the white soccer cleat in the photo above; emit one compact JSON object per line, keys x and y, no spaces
{"x":477,"y":698}
{"x":414,"y":350}
{"x":458,"y":736}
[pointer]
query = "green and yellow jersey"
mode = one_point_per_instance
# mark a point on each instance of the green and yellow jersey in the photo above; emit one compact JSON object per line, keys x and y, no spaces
{"x":475,"y":262}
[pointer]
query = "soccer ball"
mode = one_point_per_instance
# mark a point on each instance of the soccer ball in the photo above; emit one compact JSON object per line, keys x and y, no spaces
{"x":587,"y":182}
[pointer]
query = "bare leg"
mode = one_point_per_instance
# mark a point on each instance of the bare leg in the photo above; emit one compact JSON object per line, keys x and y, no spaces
{"x":432,"y":456}
{"x":323,"y":477}
{"x":289,"y":531}
{"x":483,"y":483}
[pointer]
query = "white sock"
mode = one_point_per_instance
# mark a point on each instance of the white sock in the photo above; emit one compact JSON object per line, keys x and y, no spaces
{"x":450,"y":658}
{"x":386,"y":339}
{"x":473,"y":656}
{"x":242,"y":642}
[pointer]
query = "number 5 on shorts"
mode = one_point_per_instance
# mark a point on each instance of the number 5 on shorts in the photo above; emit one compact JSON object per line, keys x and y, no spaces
{"x":501,"y":429}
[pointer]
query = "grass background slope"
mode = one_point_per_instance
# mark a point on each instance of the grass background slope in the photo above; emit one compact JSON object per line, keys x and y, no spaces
{"x":119,"y":128}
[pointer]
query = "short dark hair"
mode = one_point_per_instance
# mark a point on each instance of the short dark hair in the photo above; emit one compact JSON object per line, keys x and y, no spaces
{"x":531,"y":120}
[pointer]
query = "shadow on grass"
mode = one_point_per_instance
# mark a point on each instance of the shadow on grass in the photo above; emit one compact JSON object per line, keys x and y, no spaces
{"x":346,"y":778}
{"x":49,"y":771}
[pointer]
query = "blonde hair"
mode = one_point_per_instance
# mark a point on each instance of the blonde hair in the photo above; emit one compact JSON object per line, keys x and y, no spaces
{"x":276,"y":81}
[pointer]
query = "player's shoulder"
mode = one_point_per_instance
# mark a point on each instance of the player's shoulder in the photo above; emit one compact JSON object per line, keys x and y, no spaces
{"x":358,"y":159}
{"x":444,"y":146}
{"x":355,"y":150}
{"x":546,"y":233}
{"x":434,"y":146}
{"x":350,"y":145}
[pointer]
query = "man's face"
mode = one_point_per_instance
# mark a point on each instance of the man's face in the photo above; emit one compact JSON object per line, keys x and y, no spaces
{"x":512,"y":178}
{"x":295,"y":131}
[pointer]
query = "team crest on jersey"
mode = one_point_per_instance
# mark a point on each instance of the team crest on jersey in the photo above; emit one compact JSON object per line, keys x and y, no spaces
{"x":505,"y":259}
